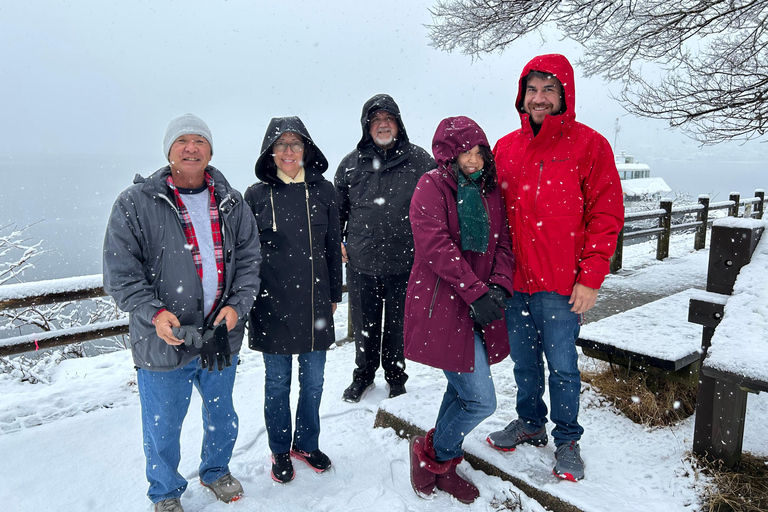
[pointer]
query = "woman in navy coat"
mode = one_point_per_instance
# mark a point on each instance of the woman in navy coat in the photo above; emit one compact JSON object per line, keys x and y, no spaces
{"x":298,"y":221}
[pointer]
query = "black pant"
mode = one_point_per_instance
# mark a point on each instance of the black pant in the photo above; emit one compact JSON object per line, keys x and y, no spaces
{"x":368,"y":296}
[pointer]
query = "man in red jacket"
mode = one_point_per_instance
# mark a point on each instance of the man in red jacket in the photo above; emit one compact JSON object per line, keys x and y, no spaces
{"x":565,"y":209}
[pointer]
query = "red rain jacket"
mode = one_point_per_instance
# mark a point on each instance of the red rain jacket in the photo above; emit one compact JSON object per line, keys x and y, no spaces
{"x":562,"y":192}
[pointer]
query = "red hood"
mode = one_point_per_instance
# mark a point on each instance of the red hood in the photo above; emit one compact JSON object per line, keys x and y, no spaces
{"x":558,"y":66}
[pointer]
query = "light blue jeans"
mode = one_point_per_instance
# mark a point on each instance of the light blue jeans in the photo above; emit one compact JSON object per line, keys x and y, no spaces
{"x":468,"y":400}
{"x":164,"y":400}
{"x":277,"y":401}
{"x":542,"y":324}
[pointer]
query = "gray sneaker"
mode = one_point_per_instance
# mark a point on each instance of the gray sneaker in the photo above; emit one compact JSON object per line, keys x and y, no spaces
{"x":169,"y":505}
{"x":226,"y":488}
{"x":517,"y":433}
{"x":568,"y":462}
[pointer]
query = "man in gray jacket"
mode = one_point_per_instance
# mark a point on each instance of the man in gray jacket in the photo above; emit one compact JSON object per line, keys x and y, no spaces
{"x":181,"y":256}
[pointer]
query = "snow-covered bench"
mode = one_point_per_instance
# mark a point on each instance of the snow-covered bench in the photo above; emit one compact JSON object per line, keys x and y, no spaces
{"x":736,"y":342}
{"x":656,"y":335}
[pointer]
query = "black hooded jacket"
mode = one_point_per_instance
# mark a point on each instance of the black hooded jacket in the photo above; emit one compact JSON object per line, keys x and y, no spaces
{"x":301,"y":250}
{"x":374,"y":189}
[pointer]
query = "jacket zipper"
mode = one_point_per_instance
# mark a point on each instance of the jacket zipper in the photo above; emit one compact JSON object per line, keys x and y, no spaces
{"x":312,"y":266}
{"x":434,"y":296}
{"x":538,"y":184}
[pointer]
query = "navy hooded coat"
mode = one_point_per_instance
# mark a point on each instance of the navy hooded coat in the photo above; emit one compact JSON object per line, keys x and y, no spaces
{"x":301,"y":249}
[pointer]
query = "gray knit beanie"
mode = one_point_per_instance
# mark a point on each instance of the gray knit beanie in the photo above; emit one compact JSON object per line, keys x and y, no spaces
{"x":187,"y":124}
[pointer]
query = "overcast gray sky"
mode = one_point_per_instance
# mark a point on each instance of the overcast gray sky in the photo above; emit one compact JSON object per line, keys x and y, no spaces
{"x":106,"y":77}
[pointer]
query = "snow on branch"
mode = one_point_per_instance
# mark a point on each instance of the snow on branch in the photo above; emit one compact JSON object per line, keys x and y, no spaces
{"x":708,"y":72}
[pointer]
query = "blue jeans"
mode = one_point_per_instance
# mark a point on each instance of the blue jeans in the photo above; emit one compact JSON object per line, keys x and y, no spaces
{"x":468,"y":400}
{"x":164,"y":400}
{"x":277,"y":401}
{"x":542,"y":324}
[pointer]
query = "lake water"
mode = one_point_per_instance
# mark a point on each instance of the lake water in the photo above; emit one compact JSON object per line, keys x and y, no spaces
{"x":66,"y":200}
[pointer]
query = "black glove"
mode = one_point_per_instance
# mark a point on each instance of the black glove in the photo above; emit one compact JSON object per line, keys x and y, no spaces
{"x":215,"y":350}
{"x":498,"y":294}
{"x":189,"y":334}
{"x":485,"y":310}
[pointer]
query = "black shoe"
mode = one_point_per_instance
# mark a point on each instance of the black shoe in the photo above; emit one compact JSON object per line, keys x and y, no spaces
{"x":396,"y":390}
{"x":282,"y":468}
{"x":316,"y":459}
{"x":357,"y":390}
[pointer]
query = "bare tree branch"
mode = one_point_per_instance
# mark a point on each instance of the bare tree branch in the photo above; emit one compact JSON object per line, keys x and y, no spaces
{"x":712,"y":55}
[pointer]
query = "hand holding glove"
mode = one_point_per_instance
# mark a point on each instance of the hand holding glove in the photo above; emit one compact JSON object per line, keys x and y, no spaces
{"x":215,"y":350}
{"x":189,"y":334}
{"x":485,"y":310}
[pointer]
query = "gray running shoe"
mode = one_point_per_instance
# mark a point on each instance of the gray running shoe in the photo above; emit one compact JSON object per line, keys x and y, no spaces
{"x":226,"y":488}
{"x":569,"y":465}
{"x":517,"y":433}
{"x":169,"y":505}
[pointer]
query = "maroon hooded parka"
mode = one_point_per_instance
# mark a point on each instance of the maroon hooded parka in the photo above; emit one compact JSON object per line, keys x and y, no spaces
{"x":445,"y":280}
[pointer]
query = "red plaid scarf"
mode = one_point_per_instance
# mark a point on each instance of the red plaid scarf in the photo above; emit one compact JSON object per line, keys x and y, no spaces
{"x":189,"y":232}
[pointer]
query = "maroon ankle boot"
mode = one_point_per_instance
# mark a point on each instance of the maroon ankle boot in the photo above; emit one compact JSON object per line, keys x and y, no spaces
{"x":453,"y":484}
{"x":424,"y":467}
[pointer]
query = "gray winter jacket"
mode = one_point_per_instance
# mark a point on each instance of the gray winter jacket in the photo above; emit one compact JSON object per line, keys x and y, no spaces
{"x":147,"y":266}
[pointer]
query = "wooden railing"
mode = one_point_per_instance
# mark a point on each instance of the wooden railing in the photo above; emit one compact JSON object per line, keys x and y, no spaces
{"x":752,"y":207}
{"x":56,"y":291}
{"x":16,"y":296}
{"x":88,"y":287}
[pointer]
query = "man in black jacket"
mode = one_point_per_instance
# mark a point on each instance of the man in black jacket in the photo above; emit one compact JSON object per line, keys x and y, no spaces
{"x":374,"y":184}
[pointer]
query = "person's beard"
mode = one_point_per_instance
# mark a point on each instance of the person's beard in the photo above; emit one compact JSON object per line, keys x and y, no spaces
{"x":384,"y":140}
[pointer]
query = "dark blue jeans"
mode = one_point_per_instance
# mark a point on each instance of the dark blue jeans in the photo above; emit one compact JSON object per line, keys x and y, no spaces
{"x":277,"y":401}
{"x":164,"y":398}
{"x":468,"y":400}
{"x":542,"y":324}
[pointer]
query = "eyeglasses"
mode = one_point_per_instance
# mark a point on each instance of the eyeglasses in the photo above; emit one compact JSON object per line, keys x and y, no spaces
{"x":296,"y":147}
{"x":376,"y":120}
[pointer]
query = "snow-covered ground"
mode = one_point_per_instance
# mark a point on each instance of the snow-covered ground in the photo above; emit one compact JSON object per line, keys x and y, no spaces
{"x":74,"y":444}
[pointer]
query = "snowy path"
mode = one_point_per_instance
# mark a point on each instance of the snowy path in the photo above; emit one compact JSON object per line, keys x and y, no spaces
{"x":75,"y":444}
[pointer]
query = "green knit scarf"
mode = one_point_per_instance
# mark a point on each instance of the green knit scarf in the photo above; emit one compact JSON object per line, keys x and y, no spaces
{"x":473,"y":219}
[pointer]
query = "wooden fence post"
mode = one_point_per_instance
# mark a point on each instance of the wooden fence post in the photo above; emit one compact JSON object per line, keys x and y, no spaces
{"x":700,"y":240}
{"x":618,"y":254}
{"x":665,"y":221}
{"x":733,"y":211}
{"x":761,"y":205}
{"x":720,"y":405}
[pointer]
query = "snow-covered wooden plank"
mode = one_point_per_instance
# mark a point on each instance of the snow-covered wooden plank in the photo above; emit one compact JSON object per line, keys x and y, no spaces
{"x":740,"y":343}
{"x":51,"y":291}
{"x":657,"y":333}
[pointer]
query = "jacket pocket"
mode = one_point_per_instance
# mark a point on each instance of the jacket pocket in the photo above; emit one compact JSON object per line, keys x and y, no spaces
{"x":151,"y":352}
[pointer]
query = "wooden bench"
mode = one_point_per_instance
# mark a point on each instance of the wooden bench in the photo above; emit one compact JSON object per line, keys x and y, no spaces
{"x":735,"y":338}
{"x":656,"y":337}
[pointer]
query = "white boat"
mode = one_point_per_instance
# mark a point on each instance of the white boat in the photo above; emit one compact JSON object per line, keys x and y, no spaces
{"x":636,"y":180}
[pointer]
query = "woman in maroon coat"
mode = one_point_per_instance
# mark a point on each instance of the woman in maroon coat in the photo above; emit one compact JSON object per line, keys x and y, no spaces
{"x":461,"y":275}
